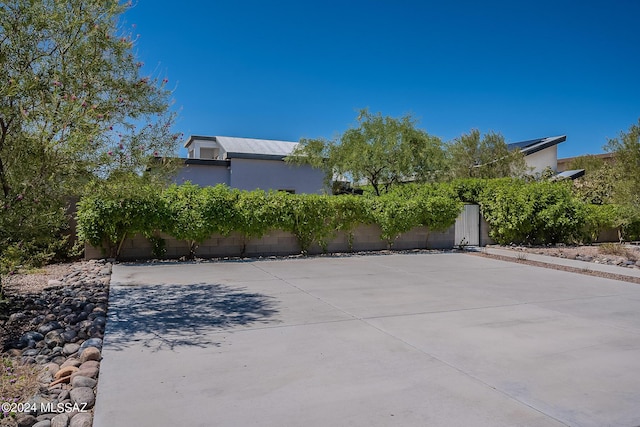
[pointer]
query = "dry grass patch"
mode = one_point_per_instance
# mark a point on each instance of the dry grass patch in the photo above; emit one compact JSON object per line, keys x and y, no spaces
{"x":618,"y":249}
{"x":18,"y":383}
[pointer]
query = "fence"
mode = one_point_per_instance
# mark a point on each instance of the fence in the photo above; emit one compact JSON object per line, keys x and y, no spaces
{"x":364,"y":238}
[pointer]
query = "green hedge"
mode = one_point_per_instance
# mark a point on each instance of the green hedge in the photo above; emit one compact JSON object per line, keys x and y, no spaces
{"x":517,"y":212}
{"x":192,"y":213}
{"x":544,"y":212}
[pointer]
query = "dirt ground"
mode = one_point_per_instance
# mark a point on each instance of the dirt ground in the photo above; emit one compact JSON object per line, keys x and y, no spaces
{"x":624,"y":256}
{"x":608,"y":253}
{"x":33,"y":282}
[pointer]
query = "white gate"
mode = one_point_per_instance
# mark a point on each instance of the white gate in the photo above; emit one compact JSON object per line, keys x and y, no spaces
{"x":467,"y":230}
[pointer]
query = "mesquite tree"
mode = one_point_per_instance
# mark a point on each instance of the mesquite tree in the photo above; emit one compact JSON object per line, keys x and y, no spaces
{"x":74,"y":105}
{"x":381,"y":151}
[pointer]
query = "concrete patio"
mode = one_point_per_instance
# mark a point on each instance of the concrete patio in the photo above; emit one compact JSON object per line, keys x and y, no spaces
{"x":377,"y":340}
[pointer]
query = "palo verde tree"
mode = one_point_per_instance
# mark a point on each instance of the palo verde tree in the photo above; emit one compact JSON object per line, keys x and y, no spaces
{"x":381,"y":151}
{"x":473,"y":156}
{"x":74,"y":106}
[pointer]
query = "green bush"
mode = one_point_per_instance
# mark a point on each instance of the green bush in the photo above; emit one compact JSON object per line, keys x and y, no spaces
{"x":409,"y":206}
{"x":33,"y":232}
{"x":517,"y":211}
{"x":195,"y":213}
{"x":532,"y":213}
{"x":623,"y":218}
{"x":114,"y":211}
{"x":256,"y":213}
{"x":349,"y":212}
{"x":308,"y":218}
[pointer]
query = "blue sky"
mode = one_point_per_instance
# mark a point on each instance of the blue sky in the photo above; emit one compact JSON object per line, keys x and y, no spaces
{"x":301,"y":69}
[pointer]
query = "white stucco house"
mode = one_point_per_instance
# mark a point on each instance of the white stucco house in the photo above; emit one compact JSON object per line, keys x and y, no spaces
{"x":541,"y":153}
{"x":247,"y":164}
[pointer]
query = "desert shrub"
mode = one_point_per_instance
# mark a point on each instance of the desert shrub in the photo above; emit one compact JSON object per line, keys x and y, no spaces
{"x":409,"y":206}
{"x":33,"y":232}
{"x":114,"y":211}
{"x":616,"y":249}
{"x":193,"y":213}
{"x":256,"y":213}
{"x":349,"y":212}
{"x":532,"y":213}
{"x":394,"y":215}
{"x":469,"y":190}
{"x":623,"y":218}
{"x":308,"y":217}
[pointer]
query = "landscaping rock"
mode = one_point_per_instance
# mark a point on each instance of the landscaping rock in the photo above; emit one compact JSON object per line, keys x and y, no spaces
{"x":81,"y":420}
{"x":45,"y":417}
{"x":67,"y":326}
{"x":82,"y":396}
{"x":70,"y":349}
{"x":49,"y":326}
{"x":88,"y":372}
{"x":60,"y":420}
{"x":90,"y":353}
{"x":71,"y":362}
{"x":32,"y":336}
{"x":90,"y":364}
{"x":54,"y":339}
{"x":25,"y":420}
{"x":81,"y":381}
{"x":65,"y":372}
{"x":91,"y":342}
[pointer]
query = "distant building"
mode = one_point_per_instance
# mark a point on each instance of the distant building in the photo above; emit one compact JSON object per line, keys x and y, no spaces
{"x":565,"y":163}
{"x":247,"y":164}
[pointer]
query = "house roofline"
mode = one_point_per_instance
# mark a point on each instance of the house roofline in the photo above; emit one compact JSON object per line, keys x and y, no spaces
{"x":548,"y":142}
{"x":570,"y":174}
{"x":198,"y":137}
{"x":255,"y":156}
{"x":535,"y":145}
{"x":207,"y":162}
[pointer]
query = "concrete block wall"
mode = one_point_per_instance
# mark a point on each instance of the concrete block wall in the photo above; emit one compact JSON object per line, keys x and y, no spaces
{"x":365,"y":238}
{"x":484,"y":232}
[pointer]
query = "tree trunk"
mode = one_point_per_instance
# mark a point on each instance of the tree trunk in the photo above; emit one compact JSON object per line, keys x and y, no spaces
{"x":3,"y":180}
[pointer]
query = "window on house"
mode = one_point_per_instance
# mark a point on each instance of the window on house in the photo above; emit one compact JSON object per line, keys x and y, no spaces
{"x":287,"y":190}
{"x":209,"y":153}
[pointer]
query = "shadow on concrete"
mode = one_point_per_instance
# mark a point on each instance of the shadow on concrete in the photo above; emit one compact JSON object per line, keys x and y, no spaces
{"x":170,"y":316}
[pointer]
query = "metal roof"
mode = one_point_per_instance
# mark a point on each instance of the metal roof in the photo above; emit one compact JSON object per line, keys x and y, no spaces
{"x":249,"y":147}
{"x":534,"y":145}
{"x":572,"y":174}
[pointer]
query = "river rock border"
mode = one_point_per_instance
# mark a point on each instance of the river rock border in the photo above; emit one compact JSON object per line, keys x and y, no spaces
{"x":65,"y":342}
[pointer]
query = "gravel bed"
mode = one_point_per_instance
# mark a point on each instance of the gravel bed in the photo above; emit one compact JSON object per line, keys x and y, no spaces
{"x":55,"y":321}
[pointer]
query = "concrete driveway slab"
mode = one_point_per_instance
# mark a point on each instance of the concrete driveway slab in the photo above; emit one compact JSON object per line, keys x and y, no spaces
{"x":407,"y":340}
{"x":574,"y":369}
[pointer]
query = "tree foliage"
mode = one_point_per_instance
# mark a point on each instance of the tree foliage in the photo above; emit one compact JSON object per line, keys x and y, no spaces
{"x":473,"y":156}
{"x":599,"y":185}
{"x":626,"y":151}
{"x":118,"y":208}
{"x":380,"y":150}
{"x":73,"y":105}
